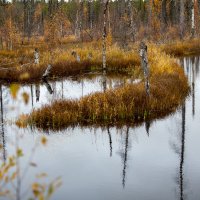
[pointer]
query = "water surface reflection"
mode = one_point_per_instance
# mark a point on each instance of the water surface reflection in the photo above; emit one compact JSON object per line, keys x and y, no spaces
{"x":154,"y":161}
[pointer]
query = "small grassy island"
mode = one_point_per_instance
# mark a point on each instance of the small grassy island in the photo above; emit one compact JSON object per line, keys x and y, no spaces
{"x":130,"y":104}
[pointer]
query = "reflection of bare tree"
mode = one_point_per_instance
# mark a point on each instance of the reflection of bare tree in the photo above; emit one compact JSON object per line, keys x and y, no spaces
{"x":147,"y":126}
{"x":191,"y":67}
{"x":82,"y":86}
{"x":179,"y":148}
{"x":52,"y":88}
{"x":110,"y":140}
{"x":37,"y":92}
{"x":193,"y":88}
{"x":48,"y":86}
{"x":124,"y":155}
{"x":62,"y":95}
{"x":32,"y":95}
{"x":197,"y":64}
{"x":182,"y":153}
{"x":2,"y":134}
{"x":104,"y":81}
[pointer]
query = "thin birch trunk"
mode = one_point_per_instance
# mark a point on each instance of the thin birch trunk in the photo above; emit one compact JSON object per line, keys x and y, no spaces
{"x":77,"y":27}
{"x":182,"y":18}
{"x":131,"y":23}
{"x":104,"y":33}
{"x":193,"y":20}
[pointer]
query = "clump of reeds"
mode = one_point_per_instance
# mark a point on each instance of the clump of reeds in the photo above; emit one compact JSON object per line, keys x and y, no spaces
{"x":128,"y":104}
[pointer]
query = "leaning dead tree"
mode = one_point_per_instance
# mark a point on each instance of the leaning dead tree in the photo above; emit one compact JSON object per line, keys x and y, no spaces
{"x":104,"y":33}
{"x":144,"y":63}
{"x":47,"y":72}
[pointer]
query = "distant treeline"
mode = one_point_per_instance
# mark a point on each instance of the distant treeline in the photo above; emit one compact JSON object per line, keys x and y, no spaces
{"x":127,"y":20}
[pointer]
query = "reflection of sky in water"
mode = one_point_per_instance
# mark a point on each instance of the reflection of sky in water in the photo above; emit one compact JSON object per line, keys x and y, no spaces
{"x":61,"y":90}
{"x":150,"y":165}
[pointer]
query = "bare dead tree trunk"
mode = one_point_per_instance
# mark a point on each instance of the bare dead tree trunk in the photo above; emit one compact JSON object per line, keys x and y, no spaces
{"x":50,"y":7}
{"x":42,"y":18}
{"x":182,"y":18}
{"x":144,"y":63}
{"x":31,"y":11}
{"x":109,"y":24}
{"x":196,"y":15}
{"x":131,"y":23}
{"x":164,"y":15}
{"x":77,"y":28}
{"x":150,"y":5}
{"x":192,"y":20}
{"x":25,"y":19}
{"x":36,"y":57}
{"x":104,"y":33}
{"x":90,"y":14}
{"x":1,"y":43}
{"x":10,"y":44}
{"x":172,"y":12}
{"x":78,"y":23}
{"x":81,"y":10}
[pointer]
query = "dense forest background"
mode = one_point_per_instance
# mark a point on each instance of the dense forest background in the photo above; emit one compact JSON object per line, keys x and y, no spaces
{"x":82,"y":20}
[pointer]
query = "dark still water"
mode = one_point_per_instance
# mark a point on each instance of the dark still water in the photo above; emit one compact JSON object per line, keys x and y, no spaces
{"x":161,"y":163}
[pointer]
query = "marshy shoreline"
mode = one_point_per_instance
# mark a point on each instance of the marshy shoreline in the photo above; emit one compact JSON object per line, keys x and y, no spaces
{"x":22,"y":69}
{"x":128,"y":105}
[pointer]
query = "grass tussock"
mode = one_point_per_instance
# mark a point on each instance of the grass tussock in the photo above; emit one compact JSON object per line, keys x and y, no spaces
{"x":168,"y":88}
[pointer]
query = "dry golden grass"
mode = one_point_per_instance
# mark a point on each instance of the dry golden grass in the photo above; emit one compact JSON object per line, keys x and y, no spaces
{"x":129,"y":104}
{"x":63,"y":62}
{"x":182,"y":48}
